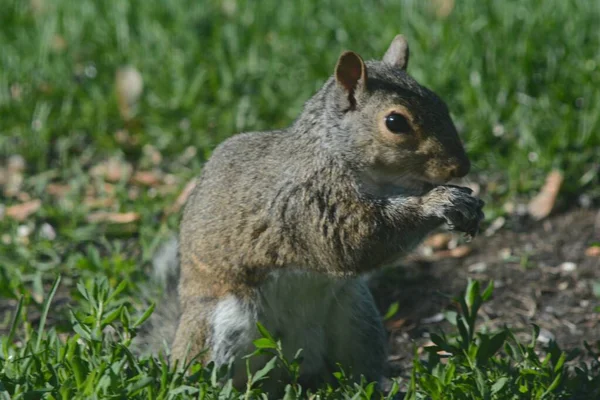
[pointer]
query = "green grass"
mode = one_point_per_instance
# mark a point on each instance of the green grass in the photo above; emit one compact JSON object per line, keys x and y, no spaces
{"x":521,"y":80}
{"x":96,"y":361}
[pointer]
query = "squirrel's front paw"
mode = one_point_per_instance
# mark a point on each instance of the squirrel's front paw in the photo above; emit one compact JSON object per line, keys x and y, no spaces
{"x":457,"y":207}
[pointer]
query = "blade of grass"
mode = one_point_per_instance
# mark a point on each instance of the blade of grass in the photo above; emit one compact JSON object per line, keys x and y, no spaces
{"x":45,"y":311}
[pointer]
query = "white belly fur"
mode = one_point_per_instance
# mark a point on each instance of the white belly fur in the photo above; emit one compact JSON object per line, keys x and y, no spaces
{"x":326,"y":317}
{"x":297,"y":306}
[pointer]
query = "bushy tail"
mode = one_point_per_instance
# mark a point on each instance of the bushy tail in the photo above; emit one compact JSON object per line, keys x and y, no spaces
{"x":159,"y":331}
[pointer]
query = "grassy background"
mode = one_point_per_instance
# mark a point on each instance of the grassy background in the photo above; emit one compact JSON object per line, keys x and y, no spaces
{"x":521,"y":79}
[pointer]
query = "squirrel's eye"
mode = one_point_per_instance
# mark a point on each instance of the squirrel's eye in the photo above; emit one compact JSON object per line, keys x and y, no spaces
{"x":397,"y":123}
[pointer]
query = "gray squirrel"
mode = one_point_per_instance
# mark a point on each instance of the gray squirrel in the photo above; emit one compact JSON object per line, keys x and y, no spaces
{"x":283,"y":225}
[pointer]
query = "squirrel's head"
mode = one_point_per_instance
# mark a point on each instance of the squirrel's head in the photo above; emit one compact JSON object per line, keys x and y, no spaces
{"x":401,"y":131}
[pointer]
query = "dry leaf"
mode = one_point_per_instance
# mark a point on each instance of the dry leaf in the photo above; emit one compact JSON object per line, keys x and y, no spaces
{"x":456,"y":252}
{"x":477,"y":267}
{"x":16,"y":163}
{"x":460,"y":251}
{"x":113,"y":217}
{"x":129,"y":85}
{"x":188,"y":155}
{"x":20,"y":212}
{"x":429,"y":343}
{"x":13,"y":182}
{"x":541,"y":205}
{"x":146,"y":178}
{"x":133,"y":193}
{"x":112,"y":170}
{"x":443,"y":8}
{"x":57,"y":189}
{"x":37,"y":6}
{"x":108,"y":188}
{"x":438,"y":241}
{"x":395,"y":324}
{"x":47,"y":231}
{"x":23,"y":196}
{"x":593,"y":251}
{"x":125,"y":138}
{"x":229,"y":7}
{"x":152,"y":153}
{"x":182,"y":199}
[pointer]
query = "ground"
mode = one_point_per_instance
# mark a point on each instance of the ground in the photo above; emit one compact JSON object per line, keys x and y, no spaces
{"x":109,"y":108}
{"x":535,"y":282}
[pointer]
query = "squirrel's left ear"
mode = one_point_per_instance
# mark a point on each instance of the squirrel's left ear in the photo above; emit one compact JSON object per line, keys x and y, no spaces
{"x":350,"y":72}
{"x":397,"y":53}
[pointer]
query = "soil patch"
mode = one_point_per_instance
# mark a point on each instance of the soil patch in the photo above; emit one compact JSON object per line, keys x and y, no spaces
{"x":541,"y":272}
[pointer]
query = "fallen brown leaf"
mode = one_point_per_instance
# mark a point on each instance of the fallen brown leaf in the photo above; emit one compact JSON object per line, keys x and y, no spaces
{"x":541,"y":205}
{"x":438,"y":241}
{"x":443,"y":8}
{"x":152,"y":153}
{"x":57,"y":189}
{"x":146,"y":178}
{"x":108,"y":188}
{"x":112,"y":170}
{"x":112,"y":217}
{"x":182,"y":199}
{"x":37,"y":6}
{"x":47,"y":231}
{"x":125,"y":138}
{"x":23,"y":196}
{"x":13,"y":184}
{"x":20,"y":212}
{"x":593,"y":251}
{"x":457,"y":252}
{"x":460,"y":251}
{"x":16,"y":163}
{"x":395,"y":324}
{"x":129,"y":86}
{"x":188,"y":155}
{"x":133,"y":193}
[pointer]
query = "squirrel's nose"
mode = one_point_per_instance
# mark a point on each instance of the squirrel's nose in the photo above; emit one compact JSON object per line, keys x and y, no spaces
{"x":460,"y":168}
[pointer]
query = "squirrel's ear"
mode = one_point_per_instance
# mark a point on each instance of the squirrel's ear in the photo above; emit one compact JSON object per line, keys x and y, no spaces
{"x":349,"y":72}
{"x":397,"y":53}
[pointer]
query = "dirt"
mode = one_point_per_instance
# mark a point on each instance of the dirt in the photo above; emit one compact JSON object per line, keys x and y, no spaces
{"x":541,"y":272}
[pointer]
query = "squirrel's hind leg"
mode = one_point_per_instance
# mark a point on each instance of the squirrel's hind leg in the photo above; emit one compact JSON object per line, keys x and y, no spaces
{"x":224,"y":328}
{"x":193,"y":331}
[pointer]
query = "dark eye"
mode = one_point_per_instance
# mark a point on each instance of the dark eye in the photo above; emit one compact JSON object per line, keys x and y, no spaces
{"x":397,"y":123}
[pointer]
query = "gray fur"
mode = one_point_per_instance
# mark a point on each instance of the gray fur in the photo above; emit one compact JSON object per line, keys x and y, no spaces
{"x":333,"y":196}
